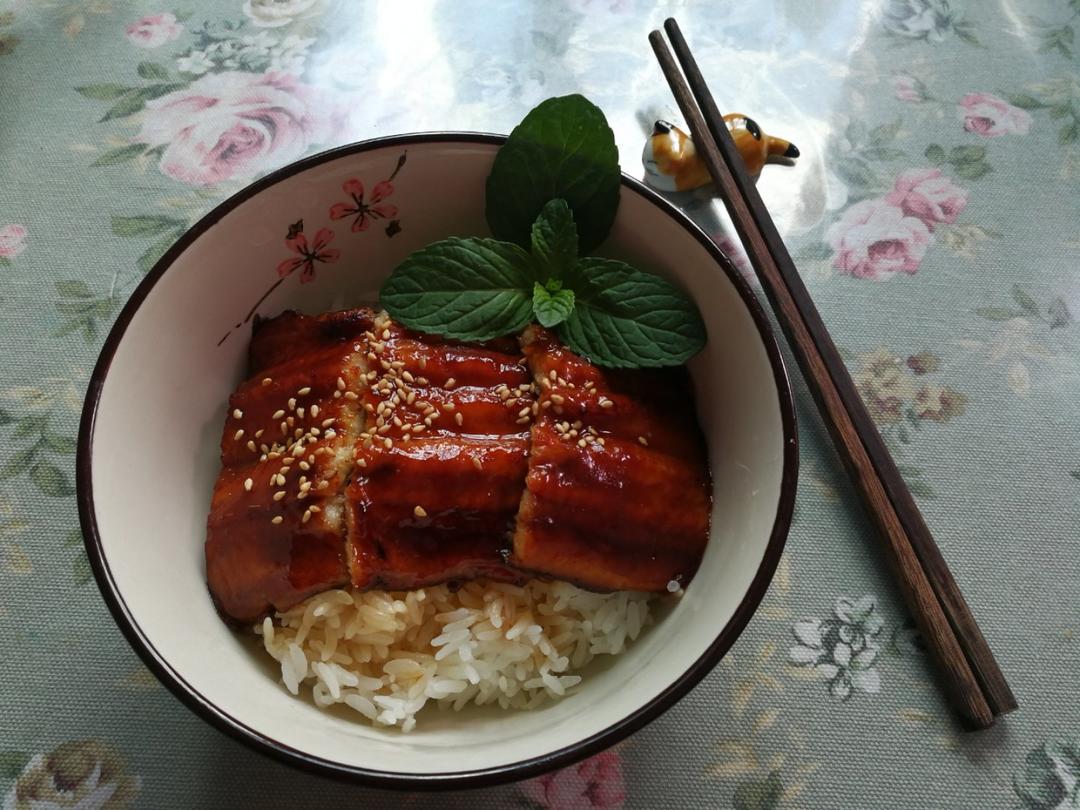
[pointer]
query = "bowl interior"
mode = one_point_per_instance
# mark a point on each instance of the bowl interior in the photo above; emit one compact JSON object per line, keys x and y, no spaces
{"x":162,"y":403}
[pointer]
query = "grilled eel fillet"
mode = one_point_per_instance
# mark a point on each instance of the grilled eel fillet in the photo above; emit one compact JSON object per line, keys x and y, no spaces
{"x":358,"y":453}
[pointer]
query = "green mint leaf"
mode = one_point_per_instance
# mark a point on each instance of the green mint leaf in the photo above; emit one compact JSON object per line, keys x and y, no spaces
{"x":555,"y":239}
{"x":468,"y":289}
{"x":563,"y":148}
{"x":626,"y":318}
{"x":552,"y":307}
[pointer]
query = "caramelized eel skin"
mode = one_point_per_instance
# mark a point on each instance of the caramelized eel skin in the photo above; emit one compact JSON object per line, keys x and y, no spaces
{"x":630,"y":512}
{"x":473,"y":472}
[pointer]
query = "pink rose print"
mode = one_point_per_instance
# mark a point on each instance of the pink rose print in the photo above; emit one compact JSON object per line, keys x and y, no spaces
{"x":991,"y":117}
{"x":307,"y":254}
{"x":12,"y":241}
{"x":874,"y":239}
{"x":908,"y":88}
{"x":594,"y":783}
{"x":364,"y":212}
{"x":154,"y":30}
{"x":234,"y":125}
{"x":929,"y":196}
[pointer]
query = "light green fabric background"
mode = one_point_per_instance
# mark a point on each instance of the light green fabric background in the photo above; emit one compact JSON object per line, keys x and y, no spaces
{"x":935,"y":214}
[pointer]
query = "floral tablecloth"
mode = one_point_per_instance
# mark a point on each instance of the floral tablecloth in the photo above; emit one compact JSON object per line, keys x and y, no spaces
{"x":935,"y":213}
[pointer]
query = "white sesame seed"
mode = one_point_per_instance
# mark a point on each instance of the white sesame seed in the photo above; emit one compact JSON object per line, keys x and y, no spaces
{"x":304,"y":391}
{"x":558,"y":399}
{"x":449,"y":406}
{"x":258,"y":433}
{"x":477,"y":463}
{"x":279,"y":479}
{"x":459,"y":418}
{"x":238,"y":414}
{"x":285,"y":462}
{"x":314,"y":411}
{"x":314,"y":509}
{"x":361,"y":462}
{"x":330,"y":433}
{"x":304,"y":465}
{"x":644,"y":442}
{"x":301,"y":495}
{"x":419,"y":511}
{"x":278,"y":414}
{"x":292,"y":403}
{"x":606,"y":403}
{"x":337,"y":395}
{"x":340,"y":384}
{"x":388,"y":443}
{"x":523,"y":420}
{"x":279,"y":495}
{"x":351,"y":395}
{"x":524,"y":411}
{"x":418,"y":428}
{"x":306,"y":517}
{"x":248,"y":484}
{"x":300,"y":411}
{"x":450,"y":383}
{"x":304,"y":487}
{"x":581,"y":443}
{"x":277,"y":520}
{"x":266,"y":381}
{"x":408,"y":377}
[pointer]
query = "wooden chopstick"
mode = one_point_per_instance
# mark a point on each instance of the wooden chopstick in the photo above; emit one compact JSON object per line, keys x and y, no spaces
{"x":977,"y":686}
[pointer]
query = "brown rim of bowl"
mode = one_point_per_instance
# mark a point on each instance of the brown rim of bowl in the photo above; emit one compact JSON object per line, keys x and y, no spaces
{"x":459,"y":779}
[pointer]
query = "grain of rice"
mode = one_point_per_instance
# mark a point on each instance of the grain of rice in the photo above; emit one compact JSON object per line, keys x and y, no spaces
{"x":387,"y":655}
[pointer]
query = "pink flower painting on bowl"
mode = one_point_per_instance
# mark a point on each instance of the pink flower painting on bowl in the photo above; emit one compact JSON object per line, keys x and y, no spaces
{"x":154,"y":30}
{"x":991,"y":117}
{"x":235,"y":125}
{"x":929,"y":196}
{"x":875,"y":240}
{"x":364,"y":212}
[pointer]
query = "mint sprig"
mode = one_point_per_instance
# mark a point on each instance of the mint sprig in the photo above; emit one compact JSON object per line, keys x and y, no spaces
{"x":467,"y":289}
{"x":565,"y":149}
{"x":554,"y":189}
{"x":551,"y":303}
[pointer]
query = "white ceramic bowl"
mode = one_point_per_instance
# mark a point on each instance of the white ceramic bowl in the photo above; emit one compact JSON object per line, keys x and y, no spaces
{"x":148,"y":456}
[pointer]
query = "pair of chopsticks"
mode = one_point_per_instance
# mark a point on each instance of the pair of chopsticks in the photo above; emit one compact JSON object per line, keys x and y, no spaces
{"x":974,"y":681}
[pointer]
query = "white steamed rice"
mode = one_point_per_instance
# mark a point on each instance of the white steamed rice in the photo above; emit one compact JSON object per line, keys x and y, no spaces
{"x":387,"y":654}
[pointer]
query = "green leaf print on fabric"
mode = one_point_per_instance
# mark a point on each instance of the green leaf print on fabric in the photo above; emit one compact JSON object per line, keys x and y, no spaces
{"x":760,"y":794}
{"x":34,"y":432}
{"x":12,"y":762}
{"x":969,"y":162}
{"x":1054,"y":313}
{"x":166,"y":229}
{"x":82,"y":310}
